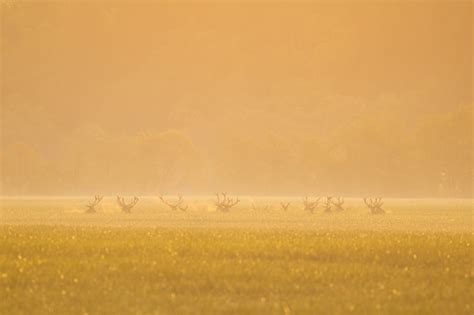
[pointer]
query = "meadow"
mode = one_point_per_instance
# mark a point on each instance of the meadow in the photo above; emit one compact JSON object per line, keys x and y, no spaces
{"x":260,"y":259}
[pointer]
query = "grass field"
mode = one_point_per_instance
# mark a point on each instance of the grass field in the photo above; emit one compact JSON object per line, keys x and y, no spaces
{"x":416,"y":259}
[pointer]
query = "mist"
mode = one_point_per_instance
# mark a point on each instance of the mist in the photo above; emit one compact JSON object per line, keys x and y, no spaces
{"x":251,"y":98}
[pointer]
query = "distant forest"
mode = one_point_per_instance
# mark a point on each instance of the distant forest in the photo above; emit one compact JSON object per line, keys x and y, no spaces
{"x":366,"y":156}
{"x":250,"y":98}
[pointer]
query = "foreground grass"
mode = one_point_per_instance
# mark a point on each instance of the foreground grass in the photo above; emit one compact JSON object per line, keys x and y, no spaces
{"x":100,"y":270}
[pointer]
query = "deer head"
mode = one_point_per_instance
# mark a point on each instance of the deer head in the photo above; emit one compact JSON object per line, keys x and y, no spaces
{"x":284,"y":205}
{"x":175,"y":206}
{"x":91,"y":206}
{"x":310,"y":205}
{"x":375,"y":205}
{"x":224,"y":203}
{"x":127,"y":207}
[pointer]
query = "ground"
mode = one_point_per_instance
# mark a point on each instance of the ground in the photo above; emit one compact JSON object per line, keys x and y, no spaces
{"x":55,"y":259}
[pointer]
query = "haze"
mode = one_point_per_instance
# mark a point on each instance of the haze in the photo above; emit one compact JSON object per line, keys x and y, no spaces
{"x":265,"y":99}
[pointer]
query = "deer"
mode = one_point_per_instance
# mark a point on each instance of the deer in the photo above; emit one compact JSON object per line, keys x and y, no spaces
{"x":338,"y":204}
{"x":284,"y":205}
{"x":175,"y":206}
{"x":375,"y":205}
{"x":225,"y":203}
{"x":327,"y":205}
{"x":310,"y":205}
{"x":91,"y":206}
{"x":127,"y":208}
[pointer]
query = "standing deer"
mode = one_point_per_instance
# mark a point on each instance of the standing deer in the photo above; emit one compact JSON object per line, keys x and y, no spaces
{"x":284,"y":205}
{"x":127,"y":208}
{"x":310,"y":205}
{"x":225,"y":203}
{"x":327,"y":205}
{"x":91,"y":206}
{"x":175,"y":206}
{"x":375,"y":205}
{"x":338,"y":204}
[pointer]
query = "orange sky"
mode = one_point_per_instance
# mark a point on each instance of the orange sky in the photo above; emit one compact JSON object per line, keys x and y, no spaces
{"x":103,"y":54}
{"x":150,"y":66}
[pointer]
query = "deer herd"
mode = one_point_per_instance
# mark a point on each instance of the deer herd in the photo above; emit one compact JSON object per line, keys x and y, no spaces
{"x":224,"y":203}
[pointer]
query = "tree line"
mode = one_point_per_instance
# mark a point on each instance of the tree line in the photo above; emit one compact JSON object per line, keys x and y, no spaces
{"x":379,"y":156}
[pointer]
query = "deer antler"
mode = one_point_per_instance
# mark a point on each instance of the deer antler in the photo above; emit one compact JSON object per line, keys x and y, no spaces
{"x":379,"y":202}
{"x":225,"y":203}
{"x":338,"y":204}
{"x":91,"y":206}
{"x":127,"y":208}
{"x":375,"y":205}
{"x":175,"y":206}
{"x":327,"y":205}
{"x":134,"y":202}
{"x":310,"y":205}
